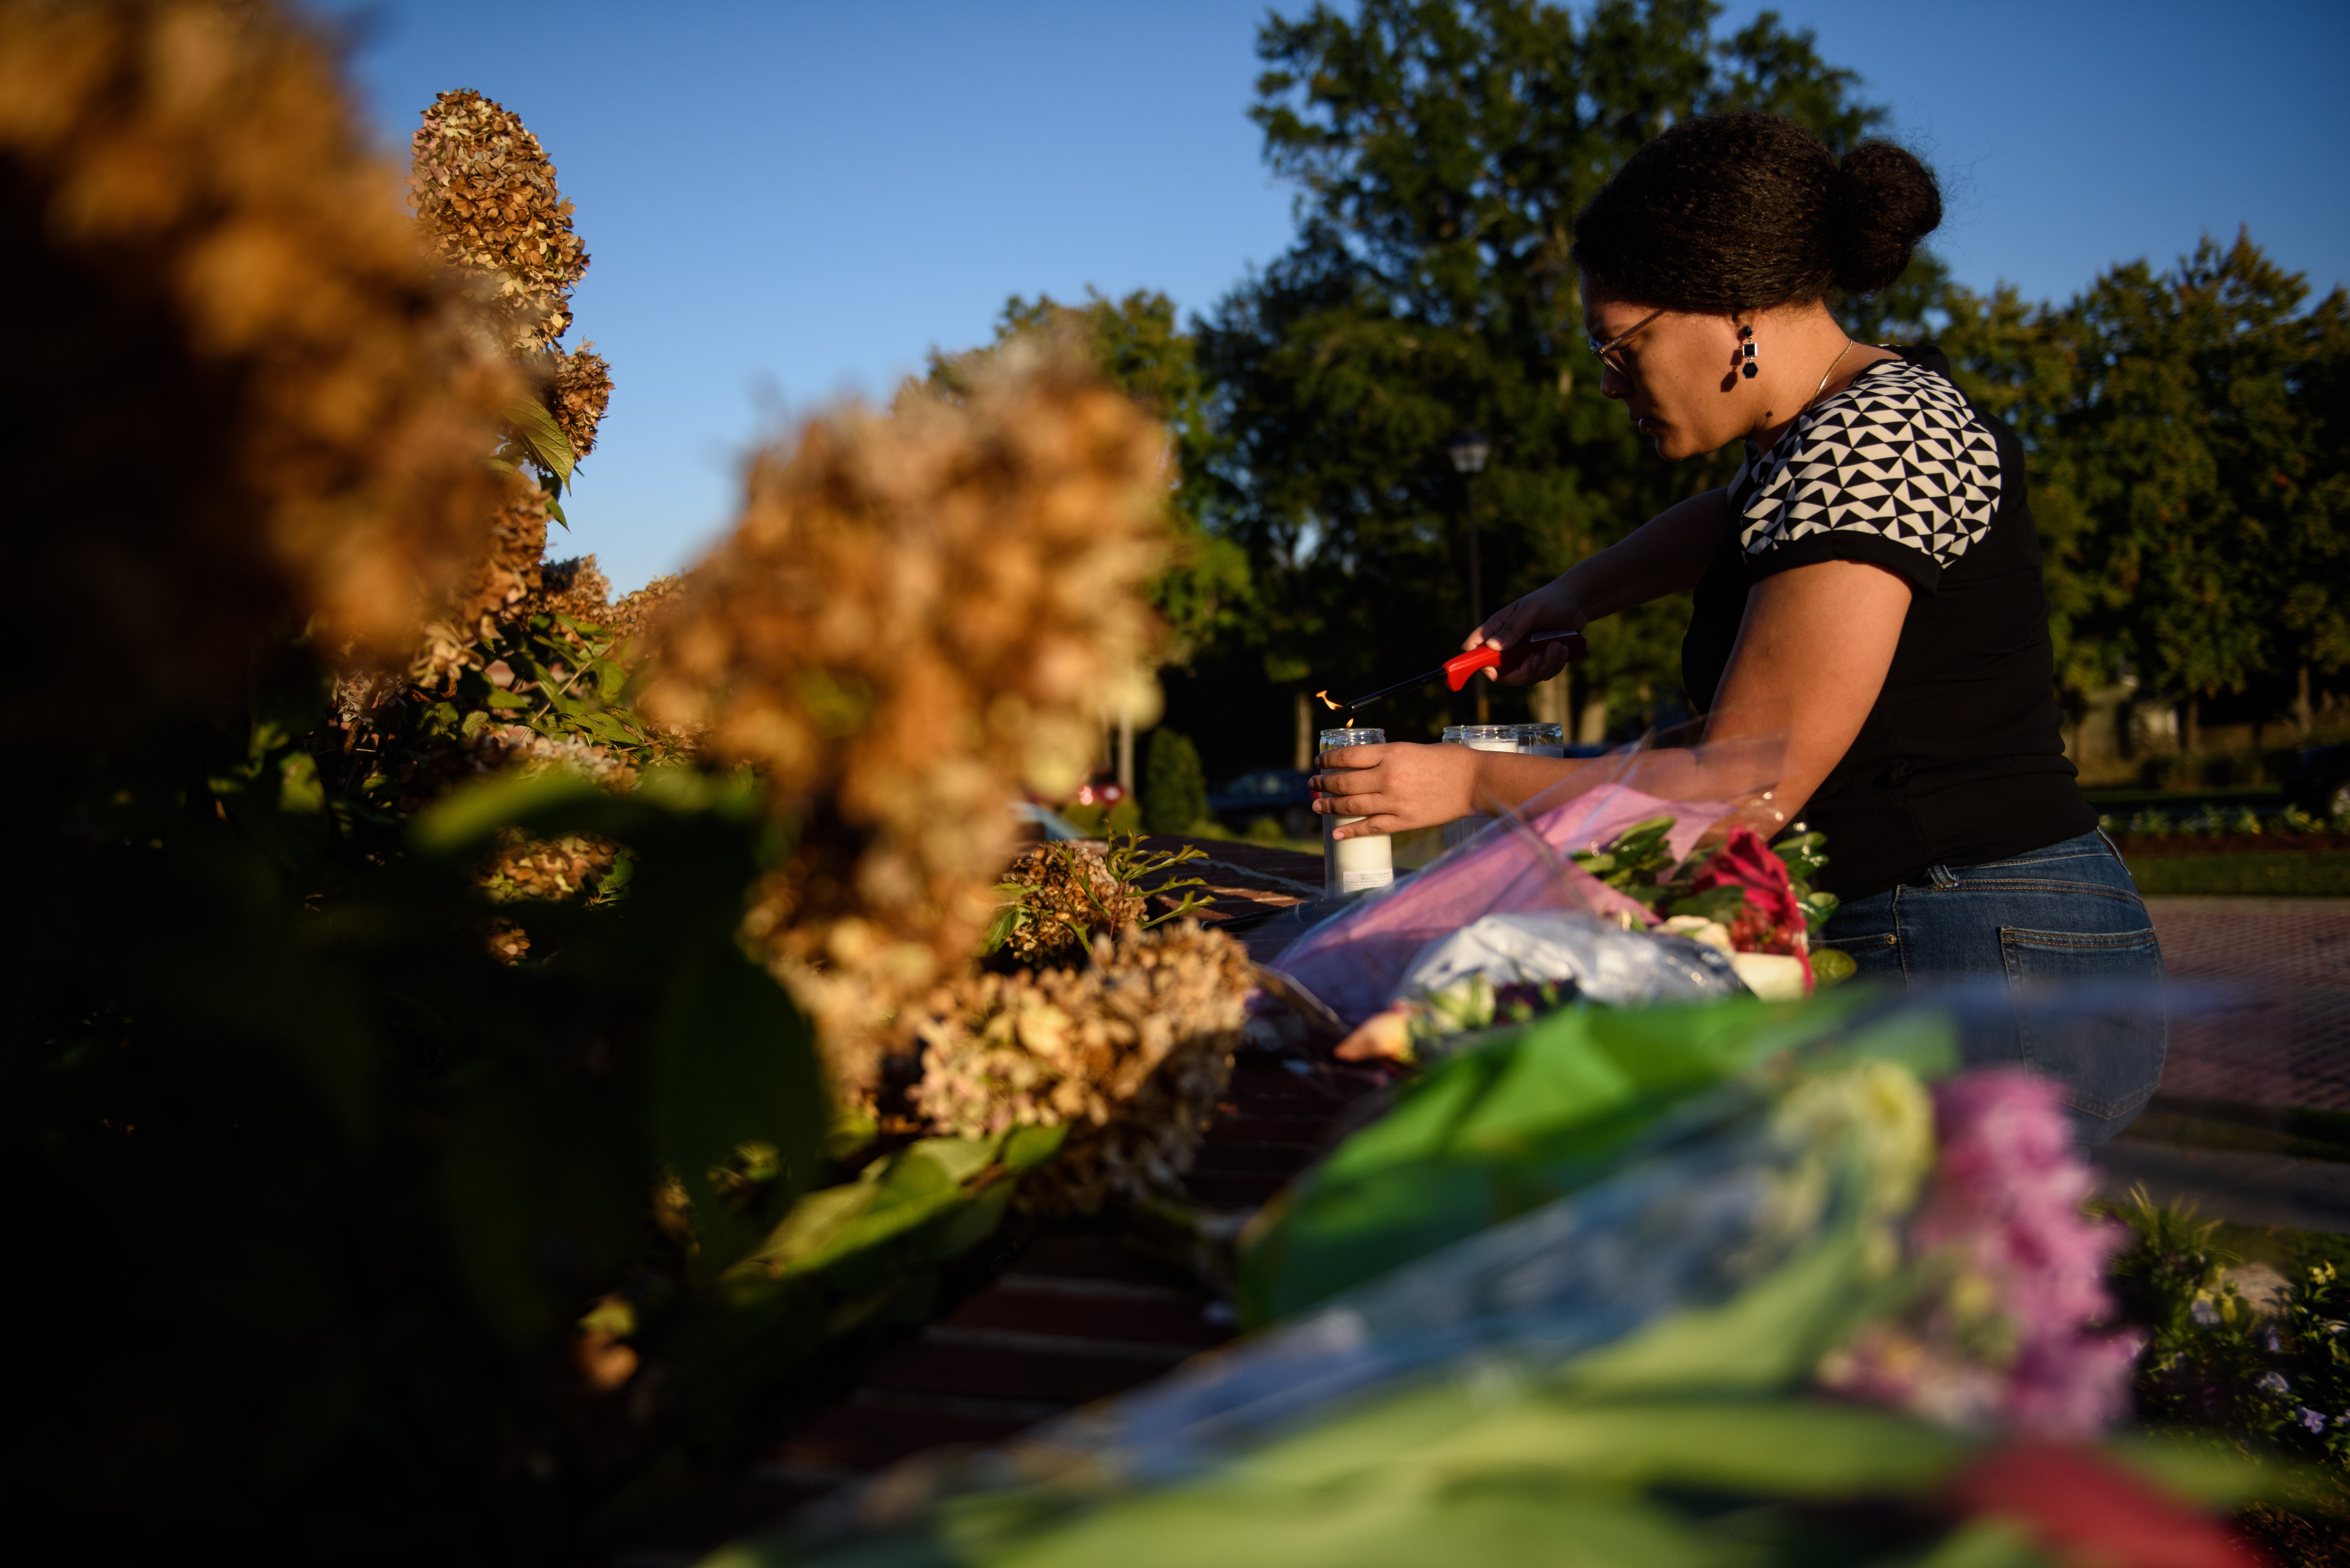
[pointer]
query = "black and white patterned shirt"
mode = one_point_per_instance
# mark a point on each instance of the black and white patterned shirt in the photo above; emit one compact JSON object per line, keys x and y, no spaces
{"x":1897,"y":456}
{"x":1962,"y":758}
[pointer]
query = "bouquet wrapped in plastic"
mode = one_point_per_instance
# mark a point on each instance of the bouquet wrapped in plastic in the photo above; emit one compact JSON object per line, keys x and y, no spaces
{"x":1819,"y":1307}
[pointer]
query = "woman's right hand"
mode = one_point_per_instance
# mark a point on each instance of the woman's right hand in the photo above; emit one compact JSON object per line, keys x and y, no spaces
{"x":1553,"y":606}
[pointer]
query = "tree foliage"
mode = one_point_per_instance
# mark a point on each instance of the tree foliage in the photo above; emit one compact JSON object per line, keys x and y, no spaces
{"x":1203,"y":593}
{"x":2185,"y":427}
{"x":1440,"y":152}
{"x":2185,"y":430}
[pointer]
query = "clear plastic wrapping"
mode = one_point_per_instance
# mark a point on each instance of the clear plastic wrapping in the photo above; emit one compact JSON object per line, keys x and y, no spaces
{"x":1355,"y":962}
{"x":1603,"y":962}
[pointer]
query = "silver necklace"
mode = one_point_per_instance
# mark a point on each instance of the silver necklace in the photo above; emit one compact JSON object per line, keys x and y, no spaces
{"x":1824,"y":378}
{"x":1813,"y":397}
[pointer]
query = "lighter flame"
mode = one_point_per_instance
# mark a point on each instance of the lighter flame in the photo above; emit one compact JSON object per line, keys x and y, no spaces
{"x":1324,"y":695}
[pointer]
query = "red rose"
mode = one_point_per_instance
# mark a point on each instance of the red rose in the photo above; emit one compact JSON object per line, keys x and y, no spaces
{"x":1771,"y":921}
{"x":2081,"y":1507}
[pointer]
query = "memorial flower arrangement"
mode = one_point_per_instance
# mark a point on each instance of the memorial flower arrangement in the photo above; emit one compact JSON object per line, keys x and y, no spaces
{"x":1128,"y":1053}
{"x":1781,"y":1302}
{"x":481,"y":1038}
{"x":1747,"y":896}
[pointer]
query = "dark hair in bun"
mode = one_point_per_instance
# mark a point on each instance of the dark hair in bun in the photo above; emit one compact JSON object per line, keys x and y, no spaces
{"x":1742,"y":212}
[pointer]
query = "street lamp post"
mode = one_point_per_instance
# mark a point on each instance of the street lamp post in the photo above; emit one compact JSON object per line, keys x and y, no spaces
{"x":1469,"y":450}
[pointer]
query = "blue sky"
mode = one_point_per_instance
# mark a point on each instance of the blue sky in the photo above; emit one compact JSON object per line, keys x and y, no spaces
{"x":790,"y":203}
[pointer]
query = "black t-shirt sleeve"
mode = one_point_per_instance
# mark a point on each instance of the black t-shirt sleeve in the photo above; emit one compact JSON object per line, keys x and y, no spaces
{"x":1896,"y":470}
{"x":1913,"y":566}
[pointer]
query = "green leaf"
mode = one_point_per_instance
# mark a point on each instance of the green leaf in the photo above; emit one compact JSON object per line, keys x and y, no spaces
{"x":1024,"y":1149}
{"x":470,"y":817}
{"x":1987,"y":1543}
{"x":603,"y":727}
{"x":536,"y":429}
{"x":890,"y":1199}
{"x":1714,"y":904}
{"x":734,"y":1062}
{"x":299,"y":788}
{"x":2196,"y":1470}
{"x":1766,"y":1339}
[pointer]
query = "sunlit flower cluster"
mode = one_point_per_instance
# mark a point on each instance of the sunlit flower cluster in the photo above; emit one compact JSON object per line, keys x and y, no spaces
{"x":578,"y":395}
{"x":1130,"y":1053}
{"x":1068,"y":896}
{"x":484,"y":191}
{"x":523,"y":750}
{"x":921,"y":614}
{"x":255,"y":402}
{"x":553,"y":869}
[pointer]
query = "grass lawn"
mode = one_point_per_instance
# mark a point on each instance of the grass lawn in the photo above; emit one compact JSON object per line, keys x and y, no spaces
{"x":2277,"y":874}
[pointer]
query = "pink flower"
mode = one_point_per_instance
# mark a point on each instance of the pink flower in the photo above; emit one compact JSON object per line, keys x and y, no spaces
{"x":2004,"y":1237}
{"x":2005,"y":1204}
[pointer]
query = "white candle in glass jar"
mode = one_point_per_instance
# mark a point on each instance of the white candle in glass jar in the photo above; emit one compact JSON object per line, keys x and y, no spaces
{"x":1352,"y":866}
{"x":1543,"y":740}
{"x":1477,"y":738}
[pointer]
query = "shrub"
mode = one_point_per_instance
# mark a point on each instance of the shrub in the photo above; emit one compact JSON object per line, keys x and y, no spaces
{"x":1174,"y":790}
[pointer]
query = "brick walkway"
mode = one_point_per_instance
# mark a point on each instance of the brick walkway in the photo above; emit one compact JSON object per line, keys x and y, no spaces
{"x":2263,"y":991}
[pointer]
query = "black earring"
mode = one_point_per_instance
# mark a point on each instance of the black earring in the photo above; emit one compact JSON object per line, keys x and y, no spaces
{"x":1746,"y":347}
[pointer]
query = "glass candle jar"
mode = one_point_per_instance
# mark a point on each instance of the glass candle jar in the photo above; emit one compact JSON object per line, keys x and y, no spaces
{"x":1543,"y":740}
{"x":1353,"y":866}
{"x":1477,"y":738}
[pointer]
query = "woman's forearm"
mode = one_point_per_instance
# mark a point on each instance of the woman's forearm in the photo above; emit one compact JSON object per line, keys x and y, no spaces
{"x":1666,"y":554}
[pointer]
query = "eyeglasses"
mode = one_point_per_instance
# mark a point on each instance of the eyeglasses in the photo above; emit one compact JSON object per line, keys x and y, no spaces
{"x":1606,"y":352}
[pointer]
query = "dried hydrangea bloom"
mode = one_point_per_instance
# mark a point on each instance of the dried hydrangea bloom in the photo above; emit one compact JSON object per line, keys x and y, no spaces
{"x":1129,"y":1054}
{"x":555,"y":870}
{"x":577,"y":587}
{"x":632,"y":615}
{"x":920,"y":613}
{"x":484,"y":193}
{"x":520,"y":749}
{"x":500,"y":580}
{"x":247,"y":399}
{"x":1070,"y":897}
{"x":578,"y":396}
{"x":509,"y":573}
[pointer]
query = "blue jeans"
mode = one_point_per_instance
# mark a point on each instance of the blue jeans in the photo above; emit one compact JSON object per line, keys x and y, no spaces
{"x":2065,"y":930}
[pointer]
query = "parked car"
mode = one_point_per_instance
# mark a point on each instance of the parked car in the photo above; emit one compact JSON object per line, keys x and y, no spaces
{"x":1280,"y":794}
{"x":1035,"y":822}
{"x":2320,"y":784}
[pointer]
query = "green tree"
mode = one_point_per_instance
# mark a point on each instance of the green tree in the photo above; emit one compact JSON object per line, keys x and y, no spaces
{"x":2186,"y":430}
{"x":1440,"y":151}
{"x":2021,"y":363}
{"x":1142,"y":350}
{"x":1174,"y":790}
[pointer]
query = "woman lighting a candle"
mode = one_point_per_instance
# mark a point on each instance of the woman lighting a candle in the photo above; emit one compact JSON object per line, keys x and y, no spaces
{"x":1870,"y":583}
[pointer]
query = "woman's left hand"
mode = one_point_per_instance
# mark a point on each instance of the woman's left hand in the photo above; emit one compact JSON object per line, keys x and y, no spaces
{"x":1396,"y":788}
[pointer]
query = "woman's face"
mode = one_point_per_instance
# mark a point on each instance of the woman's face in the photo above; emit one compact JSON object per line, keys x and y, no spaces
{"x":1678,"y":375}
